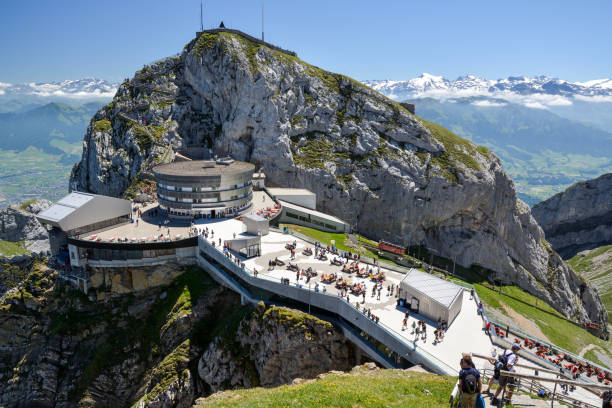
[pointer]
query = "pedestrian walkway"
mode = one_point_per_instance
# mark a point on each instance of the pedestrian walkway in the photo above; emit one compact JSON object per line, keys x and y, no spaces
{"x":465,"y":333}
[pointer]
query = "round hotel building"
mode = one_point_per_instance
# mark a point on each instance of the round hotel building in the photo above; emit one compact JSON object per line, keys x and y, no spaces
{"x":204,"y":188}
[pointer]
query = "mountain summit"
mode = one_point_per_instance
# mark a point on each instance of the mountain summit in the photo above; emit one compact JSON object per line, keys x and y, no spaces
{"x":390,"y":174}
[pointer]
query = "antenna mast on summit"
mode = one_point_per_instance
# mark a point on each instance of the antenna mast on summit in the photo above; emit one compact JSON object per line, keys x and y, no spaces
{"x":201,"y":16}
{"x":262,"y":21}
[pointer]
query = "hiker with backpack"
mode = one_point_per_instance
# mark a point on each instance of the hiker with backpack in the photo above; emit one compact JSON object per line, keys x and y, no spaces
{"x":606,"y":396}
{"x":470,"y":384}
{"x":505,"y":362}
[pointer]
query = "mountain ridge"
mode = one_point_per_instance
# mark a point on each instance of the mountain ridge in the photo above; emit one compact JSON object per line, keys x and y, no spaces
{"x":470,"y":85}
{"x":342,"y":140}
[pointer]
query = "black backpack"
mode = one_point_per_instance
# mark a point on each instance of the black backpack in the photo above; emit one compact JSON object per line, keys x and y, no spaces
{"x":502,"y":361}
{"x":607,"y":399}
{"x":470,"y":382}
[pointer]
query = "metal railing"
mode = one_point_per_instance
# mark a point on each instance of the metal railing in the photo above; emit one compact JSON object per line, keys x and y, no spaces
{"x":533,"y":386}
{"x":332,"y":303}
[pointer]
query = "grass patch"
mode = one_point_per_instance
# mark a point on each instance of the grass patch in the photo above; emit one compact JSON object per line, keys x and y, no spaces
{"x":140,"y":185}
{"x":296,"y":119}
{"x":380,"y":388}
{"x":205,"y":43}
{"x":25,"y":205}
{"x":102,"y":125}
{"x":9,"y":248}
{"x":315,"y":154}
{"x":339,"y":238}
{"x":294,"y":318}
{"x":171,"y":368}
{"x":458,"y":150}
{"x":143,"y":138}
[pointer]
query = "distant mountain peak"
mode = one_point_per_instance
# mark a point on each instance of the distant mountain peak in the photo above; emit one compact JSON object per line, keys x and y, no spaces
{"x":538,"y":90}
{"x":69,"y":88}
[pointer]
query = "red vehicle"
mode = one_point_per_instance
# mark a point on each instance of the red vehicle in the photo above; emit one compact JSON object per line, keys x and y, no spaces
{"x":396,"y":249}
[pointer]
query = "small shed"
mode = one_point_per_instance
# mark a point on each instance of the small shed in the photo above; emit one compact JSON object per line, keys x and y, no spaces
{"x":259,"y":180}
{"x":430,"y":296}
{"x":248,"y":246}
{"x":256,"y":225}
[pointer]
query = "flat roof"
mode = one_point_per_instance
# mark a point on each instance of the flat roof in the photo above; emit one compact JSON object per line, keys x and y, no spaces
{"x":443,"y":292}
{"x":81,"y":209}
{"x":254,"y":217}
{"x":66,"y":206}
{"x":312,"y":212}
{"x":289,"y":191}
{"x":202,"y":168}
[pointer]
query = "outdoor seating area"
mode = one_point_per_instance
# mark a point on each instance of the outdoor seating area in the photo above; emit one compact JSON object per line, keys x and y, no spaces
{"x":269,"y":212}
{"x":570,"y":364}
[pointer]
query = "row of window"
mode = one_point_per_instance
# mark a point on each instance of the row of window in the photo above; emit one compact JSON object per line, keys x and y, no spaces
{"x":310,"y":220}
{"x":201,"y":200}
{"x":122,"y":254}
{"x":201,"y":189}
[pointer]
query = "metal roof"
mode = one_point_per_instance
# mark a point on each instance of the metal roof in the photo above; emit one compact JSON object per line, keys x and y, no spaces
{"x":82,"y":209}
{"x":441,"y":291}
{"x":289,"y":191}
{"x":65,"y":206}
{"x":202,"y":168}
{"x":312,"y":212}
{"x":56,"y":212}
{"x":76,"y":199}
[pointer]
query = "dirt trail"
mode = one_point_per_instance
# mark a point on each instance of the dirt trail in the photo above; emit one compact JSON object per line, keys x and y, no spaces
{"x":523,"y":323}
{"x":587,"y":348}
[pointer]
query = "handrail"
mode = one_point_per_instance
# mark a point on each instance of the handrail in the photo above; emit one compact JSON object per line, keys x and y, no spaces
{"x":438,"y":364}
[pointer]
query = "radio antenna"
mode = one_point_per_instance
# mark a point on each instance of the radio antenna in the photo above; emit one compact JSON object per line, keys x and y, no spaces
{"x":201,"y":15}
{"x":262,"y":21}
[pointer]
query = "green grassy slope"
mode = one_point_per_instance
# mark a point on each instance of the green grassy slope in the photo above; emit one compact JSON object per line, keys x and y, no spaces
{"x":9,"y":249}
{"x":550,"y":322}
{"x":362,"y":388}
{"x":596,"y":267}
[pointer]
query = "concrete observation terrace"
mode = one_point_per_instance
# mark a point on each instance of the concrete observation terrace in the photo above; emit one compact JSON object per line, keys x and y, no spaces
{"x":147,"y":228}
{"x":465,"y":333}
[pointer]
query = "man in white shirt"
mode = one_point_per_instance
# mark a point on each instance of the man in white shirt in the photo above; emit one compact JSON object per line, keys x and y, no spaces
{"x":511,"y":359}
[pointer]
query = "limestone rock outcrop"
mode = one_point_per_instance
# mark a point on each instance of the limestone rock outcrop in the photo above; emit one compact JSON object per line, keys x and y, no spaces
{"x":274,"y":346}
{"x":388,"y":173}
{"x":579,"y":218}
{"x":60,"y":348}
{"x":20,"y":225}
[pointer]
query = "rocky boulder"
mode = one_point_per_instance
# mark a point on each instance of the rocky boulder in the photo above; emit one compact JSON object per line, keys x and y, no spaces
{"x":19,"y":224}
{"x":579,"y":218}
{"x":387,"y":172}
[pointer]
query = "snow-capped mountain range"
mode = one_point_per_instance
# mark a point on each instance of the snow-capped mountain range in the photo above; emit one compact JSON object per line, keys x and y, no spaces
{"x":537,"y":92}
{"x":77,"y":88}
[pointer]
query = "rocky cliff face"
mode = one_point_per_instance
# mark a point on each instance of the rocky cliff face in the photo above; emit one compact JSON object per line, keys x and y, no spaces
{"x":60,"y":348}
{"x":274,"y":346}
{"x":387,"y":172}
{"x":19,"y":224}
{"x":579,"y":218}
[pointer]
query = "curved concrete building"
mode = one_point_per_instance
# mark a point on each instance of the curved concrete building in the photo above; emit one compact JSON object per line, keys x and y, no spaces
{"x":204,"y":188}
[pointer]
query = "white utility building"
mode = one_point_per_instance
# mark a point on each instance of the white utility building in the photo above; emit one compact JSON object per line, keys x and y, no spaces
{"x":297,"y":196}
{"x":255,"y":225}
{"x":79,"y":213}
{"x":295,"y":214}
{"x":430,"y":296}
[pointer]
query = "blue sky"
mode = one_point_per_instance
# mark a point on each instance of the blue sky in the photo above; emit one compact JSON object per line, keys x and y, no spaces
{"x":70,"y":39}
